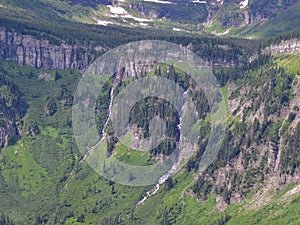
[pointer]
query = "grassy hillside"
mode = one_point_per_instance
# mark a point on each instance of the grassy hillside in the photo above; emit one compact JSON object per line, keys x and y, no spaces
{"x":34,"y":172}
{"x":43,"y":182}
{"x":41,"y":12}
{"x":177,"y":206}
{"x":37,"y":187}
{"x":282,"y":23}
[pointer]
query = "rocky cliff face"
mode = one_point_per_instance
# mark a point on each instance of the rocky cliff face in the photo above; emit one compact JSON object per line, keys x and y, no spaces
{"x":262,"y":155}
{"x":27,"y":50}
{"x":10,"y":110}
{"x":7,"y":133}
{"x":290,"y":46}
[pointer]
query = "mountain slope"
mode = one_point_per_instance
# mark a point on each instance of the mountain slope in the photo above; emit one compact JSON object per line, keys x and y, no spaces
{"x":36,"y":169}
{"x":43,"y":176}
{"x":253,"y":19}
{"x":281,"y":23}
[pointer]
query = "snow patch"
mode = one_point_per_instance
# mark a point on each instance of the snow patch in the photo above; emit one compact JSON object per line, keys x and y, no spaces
{"x":294,"y":190}
{"x":222,"y":1}
{"x":244,"y":3}
{"x":177,"y":29}
{"x":121,"y":12}
{"x":158,"y":1}
{"x":104,"y":23}
{"x":117,"y":10}
{"x":224,"y":33}
{"x":114,"y":16}
{"x":141,"y":20}
{"x":144,"y":24}
{"x":200,"y":2}
{"x":180,"y":30}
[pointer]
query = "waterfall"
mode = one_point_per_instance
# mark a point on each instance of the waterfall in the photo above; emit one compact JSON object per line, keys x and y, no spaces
{"x":103,"y":129}
{"x":102,"y":132}
{"x":164,"y":177}
{"x":109,"y":112}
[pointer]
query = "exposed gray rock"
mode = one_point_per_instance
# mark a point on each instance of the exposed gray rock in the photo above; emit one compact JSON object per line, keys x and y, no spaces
{"x":290,"y":46}
{"x":27,"y":50}
{"x":8,"y":132}
{"x":8,"y":119}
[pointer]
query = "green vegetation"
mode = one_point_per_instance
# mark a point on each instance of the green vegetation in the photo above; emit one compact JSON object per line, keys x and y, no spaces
{"x":35,"y":172}
{"x":137,"y":158}
{"x":183,"y":12}
{"x":37,"y":168}
{"x":20,"y":164}
{"x":228,"y":17}
{"x":44,"y":181}
{"x":291,"y":62}
{"x":280,"y":24}
{"x":178,"y":206}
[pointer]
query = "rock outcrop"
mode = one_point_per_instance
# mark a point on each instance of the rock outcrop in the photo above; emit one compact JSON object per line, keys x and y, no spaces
{"x":290,"y":46}
{"x":28,"y":50}
{"x":7,"y":133}
{"x":10,"y":110}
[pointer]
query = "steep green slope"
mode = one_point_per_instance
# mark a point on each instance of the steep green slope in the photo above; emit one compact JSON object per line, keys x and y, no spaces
{"x":282,"y":23}
{"x":37,"y":18}
{"x":177,"y":206}
{"x":43,"y":182}
{"x":257,"y":19}
{"x":54,"y":11}
{"x":38,"y":186}
{"x":267,"y":199}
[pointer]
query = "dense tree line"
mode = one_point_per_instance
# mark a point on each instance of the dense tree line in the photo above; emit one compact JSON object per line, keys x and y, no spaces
{"x":275,"y":92}
{"x":282,"y":37}
{"x":6,"y":220}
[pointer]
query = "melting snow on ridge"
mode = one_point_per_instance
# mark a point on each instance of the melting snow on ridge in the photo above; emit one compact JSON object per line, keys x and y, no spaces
{"x":136,"y":18}
{"x":176,"y":29}
{"x":144,"y":24}
{"x":222,"y":1}
{"x":103,"y":22}
{"x":243,"y":4}
{"x":158,"y":1}
{"x":117,"y":10}
{"x":295,"y":189}
{"x":180,"y":30}
{"x":197,"y":1}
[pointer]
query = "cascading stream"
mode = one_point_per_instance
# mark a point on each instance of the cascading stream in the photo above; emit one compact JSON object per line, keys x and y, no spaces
{"x":163,"y":178}
{"x":102,"y":132}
